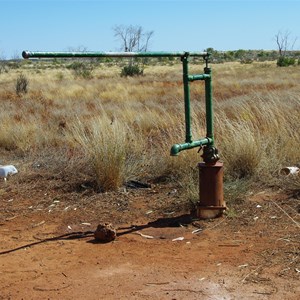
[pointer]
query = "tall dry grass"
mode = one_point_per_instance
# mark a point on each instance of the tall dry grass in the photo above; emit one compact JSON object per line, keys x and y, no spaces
{"x":122,"y":128}
{"x":113,"y":151}
{"x":259,"y":134}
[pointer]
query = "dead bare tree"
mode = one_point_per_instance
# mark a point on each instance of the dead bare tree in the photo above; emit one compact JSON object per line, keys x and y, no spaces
{"x":285,"y":46}
{"x":284,"y":43}
{"x":133,"y":39}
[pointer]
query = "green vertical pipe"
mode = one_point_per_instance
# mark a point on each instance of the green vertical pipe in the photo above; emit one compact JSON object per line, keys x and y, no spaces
{"x":187,"y":105}
{"x":209,"y":106}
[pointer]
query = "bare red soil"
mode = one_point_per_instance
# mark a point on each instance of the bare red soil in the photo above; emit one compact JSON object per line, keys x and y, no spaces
{"x":48,"y":250}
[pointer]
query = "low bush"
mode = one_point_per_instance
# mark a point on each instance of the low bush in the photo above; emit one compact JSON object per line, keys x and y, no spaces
{"x":284,"y":61}
{"x":82,"y":69}
{"x":22,"y":84}
{"x":132,"y":70}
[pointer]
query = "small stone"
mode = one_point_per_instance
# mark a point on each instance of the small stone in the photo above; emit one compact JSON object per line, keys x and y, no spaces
{"x":105,"y":233}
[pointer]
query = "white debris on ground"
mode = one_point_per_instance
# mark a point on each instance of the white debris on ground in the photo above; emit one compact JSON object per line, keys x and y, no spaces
{"x":6,"y":171}
{"x":290,"y":171}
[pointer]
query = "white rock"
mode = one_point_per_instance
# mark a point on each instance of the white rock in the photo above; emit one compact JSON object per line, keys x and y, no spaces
{"x":8,"y":170}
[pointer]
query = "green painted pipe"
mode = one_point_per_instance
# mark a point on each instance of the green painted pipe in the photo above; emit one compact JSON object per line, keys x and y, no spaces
{"x":209,"y":139}
{"x":187,"y":105}
{"x":198,"y":77}
{"x":179,"y":147}
{"x":209,"y":106}
{"x":32,"y":54}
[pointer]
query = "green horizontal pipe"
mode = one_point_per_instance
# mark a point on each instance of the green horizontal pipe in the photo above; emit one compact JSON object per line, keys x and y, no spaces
{"x":198,"y":77}
{"x":32,"y":54}
{"x":179,"y":147}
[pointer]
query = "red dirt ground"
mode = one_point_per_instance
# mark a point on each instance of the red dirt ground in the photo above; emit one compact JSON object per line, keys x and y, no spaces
{"x":252,"y":252}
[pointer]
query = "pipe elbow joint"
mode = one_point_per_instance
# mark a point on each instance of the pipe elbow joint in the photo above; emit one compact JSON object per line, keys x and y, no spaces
{"x":175,"y":150}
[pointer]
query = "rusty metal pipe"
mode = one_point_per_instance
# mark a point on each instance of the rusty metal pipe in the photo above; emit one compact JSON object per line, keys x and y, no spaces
{"x":211,"y":203}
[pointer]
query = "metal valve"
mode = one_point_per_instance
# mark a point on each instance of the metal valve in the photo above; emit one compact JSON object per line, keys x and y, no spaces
{"x":210,"y":155}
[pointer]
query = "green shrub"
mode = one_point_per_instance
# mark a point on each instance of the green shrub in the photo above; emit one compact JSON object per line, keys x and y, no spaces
{"x":132,"y":70}
{"x":284,"y":61}
{"x":82,"y":69}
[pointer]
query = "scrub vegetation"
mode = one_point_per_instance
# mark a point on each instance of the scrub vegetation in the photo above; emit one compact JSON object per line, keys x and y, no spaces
{"x":89,"y":124}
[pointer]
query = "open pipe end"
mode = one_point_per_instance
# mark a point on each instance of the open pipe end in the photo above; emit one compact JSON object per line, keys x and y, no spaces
{"x":175,"y":150}
{"x":25,"y":54}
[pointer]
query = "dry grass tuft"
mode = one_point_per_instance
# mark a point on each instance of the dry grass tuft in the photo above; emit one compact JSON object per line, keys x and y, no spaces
{"x":259,"y":134}
{"x":112,"y":150}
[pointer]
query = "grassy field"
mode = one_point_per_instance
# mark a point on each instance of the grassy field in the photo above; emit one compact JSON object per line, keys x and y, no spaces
{"x":111,"y":129}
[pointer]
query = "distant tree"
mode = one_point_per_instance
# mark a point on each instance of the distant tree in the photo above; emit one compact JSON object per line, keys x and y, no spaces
{"x":79,"y":48}
{"x":133,"y":39}
{"x":284,"y":45}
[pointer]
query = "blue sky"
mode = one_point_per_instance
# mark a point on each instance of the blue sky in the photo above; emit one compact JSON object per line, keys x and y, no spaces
{"x":178,"y":25}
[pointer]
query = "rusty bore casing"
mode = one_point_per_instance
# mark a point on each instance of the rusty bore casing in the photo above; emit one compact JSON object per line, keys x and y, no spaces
{"x":211,"y":196}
